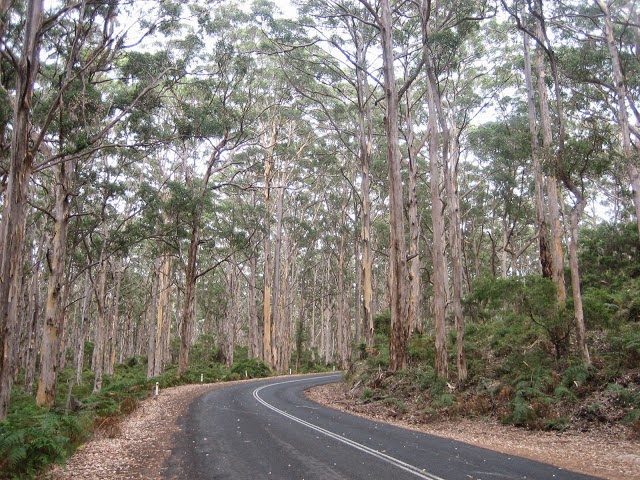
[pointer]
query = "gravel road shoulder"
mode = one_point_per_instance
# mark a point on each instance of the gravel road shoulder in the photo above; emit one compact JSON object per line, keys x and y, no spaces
{"x":138,"y":446}
{"x":604,"y":452}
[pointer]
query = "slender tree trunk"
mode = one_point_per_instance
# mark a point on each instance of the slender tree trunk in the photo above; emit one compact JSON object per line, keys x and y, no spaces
{"x":114,"y":318}
{"x":255,"y":336}
{"x":343,"y":323}
{"x":34,"y":334}
{"x":578,"y":209}
{"x":439,"y":267}
{"x":455,"y":234}
{"x":397,"y":247}
{"x":557,"y":255}
{"x":623,"y":116}
{"x":505,"y":247}
{"x":152,"y":345}
{"x":414,"y":147}
{"x":314,"y":332}
{"x":365,"y":134}
{"x":357,"y":293}
{"x":83,"y":328}
{"x":100,"y":327}
{"x":158,"y":327}
{"x":277,"y":262}
{"x":581,"y":334}
{"x":55,"y":311}
{"x":229,"y":322}
{"x":165,"y":336}
{"x":267,"y":307}
{"x":546,"y":262}
{"x":189,"y":305}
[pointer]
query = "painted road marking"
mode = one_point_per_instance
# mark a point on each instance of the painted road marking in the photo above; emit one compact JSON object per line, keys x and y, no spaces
{"x":418,"y":472}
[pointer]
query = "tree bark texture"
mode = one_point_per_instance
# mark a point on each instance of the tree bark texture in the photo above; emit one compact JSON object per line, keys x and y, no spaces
{"x":439,"y":277}
{"x":546,"y":261}
{"x":100,"y":326}
{"x":189,"y":306}
{"x":557,"y":255}
{"x":55,"y":312}
{"x":365,"y":146}
{"x":455,"y":239}
{"x":269,"y":145}
{"x":397,"y":246}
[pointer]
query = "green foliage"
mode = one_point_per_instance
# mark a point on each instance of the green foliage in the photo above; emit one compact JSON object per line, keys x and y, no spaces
{"x":382,"y":324}
{"x":367,"y":395}
{"x":421,"y":348}
{"x":624,"y":346}
{"x":250,"y":368}
{"x":32,"y":438}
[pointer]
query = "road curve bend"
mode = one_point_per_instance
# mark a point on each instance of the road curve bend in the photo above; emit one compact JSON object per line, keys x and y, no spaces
{"x":269,"y":429}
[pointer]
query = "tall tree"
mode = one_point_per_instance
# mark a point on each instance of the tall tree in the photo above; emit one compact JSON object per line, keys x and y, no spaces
{"x":13,"y":214}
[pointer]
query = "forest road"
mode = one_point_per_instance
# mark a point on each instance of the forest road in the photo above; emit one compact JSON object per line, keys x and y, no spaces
{"x":269,"y":429}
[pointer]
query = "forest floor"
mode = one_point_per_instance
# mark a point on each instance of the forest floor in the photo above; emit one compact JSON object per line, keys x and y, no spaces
{"x":137,"y":446}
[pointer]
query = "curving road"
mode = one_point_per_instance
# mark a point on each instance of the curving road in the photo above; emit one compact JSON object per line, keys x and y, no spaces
{"x":268,"y":429}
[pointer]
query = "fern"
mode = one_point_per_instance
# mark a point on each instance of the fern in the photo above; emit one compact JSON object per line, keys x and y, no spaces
{"x":16,"y":455}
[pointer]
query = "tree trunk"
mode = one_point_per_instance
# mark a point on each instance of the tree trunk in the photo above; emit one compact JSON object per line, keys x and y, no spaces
{"x":413,"y":147}
{"x":100,"y":327}
{"x":114,"y":317}
{"x":55,"y":310}
{"x":13,"y":213}
{"x":276,"y":293}
{"x":158,"y":325}
{"x":34,"y":335}
{"x":546,"y":262}
{"x":580,"y":202}
{"x":255,"y":337}
{"x":83,"y":328}
{"x":343,"y":323}
{"x":623,"y":116}
{"x":357,"y":292}
{"x":455,"y":234}
{"x":439,"y":268}
{"x":557,"y":255}
{"x":397,"y":247}
{"x":189,"y":305}
{"x":365,"y":137}
{"x":581,"y":334}
{"x":267,"y":307}
{"x":152,"y":341}
{"x":228,"y":329}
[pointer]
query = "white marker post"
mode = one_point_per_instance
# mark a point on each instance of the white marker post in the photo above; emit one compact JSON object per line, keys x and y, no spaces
{"x":289,"y":371}
{"x":201,"y":377}
{"x":246,"y":374}
{"x":157,"y":389}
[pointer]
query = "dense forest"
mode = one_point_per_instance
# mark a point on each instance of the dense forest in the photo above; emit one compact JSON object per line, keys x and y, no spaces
{"x":449,"y":184}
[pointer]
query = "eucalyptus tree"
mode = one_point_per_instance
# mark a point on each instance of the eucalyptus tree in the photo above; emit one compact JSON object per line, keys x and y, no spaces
{"x":535,"y":24}
{"x":345,"y":44}
{"x":625,"y":18}
{"x":25,"y":62}
{"x":215,"y":108}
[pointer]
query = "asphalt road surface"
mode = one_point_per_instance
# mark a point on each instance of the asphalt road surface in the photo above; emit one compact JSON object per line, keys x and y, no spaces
{"x":269,"y":430}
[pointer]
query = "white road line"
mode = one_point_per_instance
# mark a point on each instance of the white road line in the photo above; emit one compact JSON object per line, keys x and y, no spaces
{"x":358,"y":446}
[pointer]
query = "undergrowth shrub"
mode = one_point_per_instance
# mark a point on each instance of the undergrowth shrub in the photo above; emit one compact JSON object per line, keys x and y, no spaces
{"x":32,"y":438}
{"x":250,"y":368}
